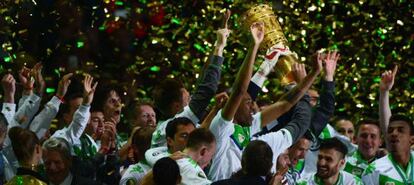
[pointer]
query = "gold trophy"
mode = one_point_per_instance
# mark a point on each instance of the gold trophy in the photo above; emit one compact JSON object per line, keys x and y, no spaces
{"x":274,"y":41}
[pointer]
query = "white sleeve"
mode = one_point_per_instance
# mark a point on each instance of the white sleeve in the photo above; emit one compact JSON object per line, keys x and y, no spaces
{"x":79,"y":122}
{"x":9,"y":110}
{"x":134,"y":173}
{"x":192,"y":174}
{"x":221,"y":128}
{"x":154,"y":154}
{"x":279,"y":141}
{"x":256,"y":124}
{"x":22,"y":100}
{"x":188,"y":113}
{"x":41,"y":123}
{"x":75,"y":129}
{"x":26,"y":112}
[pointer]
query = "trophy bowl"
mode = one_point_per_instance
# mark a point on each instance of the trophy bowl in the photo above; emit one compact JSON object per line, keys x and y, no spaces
{"x":273,"y":38}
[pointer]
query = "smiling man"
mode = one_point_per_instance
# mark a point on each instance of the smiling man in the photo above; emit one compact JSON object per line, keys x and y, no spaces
{"x":331,"y":159}
{"x":396,"y":167}
{"x":368,"y":138}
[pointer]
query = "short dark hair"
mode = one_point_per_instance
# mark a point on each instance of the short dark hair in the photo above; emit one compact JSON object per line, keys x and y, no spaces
{"x":172,"y":126}
{"x":102,"y":94}
{"x":200,"y":137}
{"x":23,"y":142}
{"x":336,"y":144}
{"x":166,"y":93}
{"x":405,"y":119}
{"x":257,"y":159}
{"x":368,"y":121}
{"x":141,"y":138}
{"x":166,"y":172}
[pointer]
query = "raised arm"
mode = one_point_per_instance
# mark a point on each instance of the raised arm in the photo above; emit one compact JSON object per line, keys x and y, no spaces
{"x":9,"y":89}
{"x":289,"y":99}
{"x":31,"y":79}
{"x":220,"y":99}
{"x":387,"y":81}
{"x":81,"y":116}
{"x":245,"y":73}
{"x":325,"y":108}
{"x":210,"y":76}
{"x":27,"y":84}
{"x":42,"y":121}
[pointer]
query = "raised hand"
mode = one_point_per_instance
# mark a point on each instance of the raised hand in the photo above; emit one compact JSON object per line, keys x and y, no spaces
{"x":278,"y":177}
{"x":40,"y":82}
{"x":298,"y":71}
{"x":257,"y":30}
{"x":222,"y":34}
{"x":63,"y":85}
{"x":318,"y":64}
{"x":9,"y":87}
{"x":25,"y":80}
{"x":387,"y":79}
{"x":330,"y":65}
{"x":88,"y":89}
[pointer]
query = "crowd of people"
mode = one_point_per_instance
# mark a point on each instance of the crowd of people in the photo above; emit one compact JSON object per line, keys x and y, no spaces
{"x":183,"y":138}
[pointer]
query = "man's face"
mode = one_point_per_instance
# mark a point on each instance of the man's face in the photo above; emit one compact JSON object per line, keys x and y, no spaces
{"x":96,"y":123}
{"x":57,"y":168}
{"x":2,"y":138}
{"x":368,"y":140}
{"x":298,"y":151}
{"x":283,"y":161}
{"x":244,"y":114}
{"x":112,"y":107}
{"x":398,"y":136}
{"x":206,"y":155}
{"x":146,"y":116}
{"x":186,"y":97}
{"x":346,"y":128}
{"x":180,"y":138}
{"x":329,"y":163}
{"x":314,"y":96}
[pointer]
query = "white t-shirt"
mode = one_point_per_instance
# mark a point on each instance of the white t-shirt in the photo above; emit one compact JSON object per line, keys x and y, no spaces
{"x":231,"y":140}
{"x":386,"y":171}
{"x":135,"y":172}
{"x":191,"y":173}
{"x":345,"y":178}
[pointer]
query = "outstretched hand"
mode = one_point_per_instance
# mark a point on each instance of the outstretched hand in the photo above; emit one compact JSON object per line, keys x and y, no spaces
{"x":40,"y":82}
{"x":330,"y":65}
{"x":63,"y":85}
{"x":387,"y":79}
{"x":25,"y":80}
{"x":257,"y":29}
{"x":318,"y":64}
{"x":9,"y":87}
{"x":89,"y":90}
{"x":223,"y":33}
{"x":298,"y":71}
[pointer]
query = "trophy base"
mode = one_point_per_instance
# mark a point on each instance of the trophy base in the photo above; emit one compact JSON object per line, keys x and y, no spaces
{"x":283,"y":69}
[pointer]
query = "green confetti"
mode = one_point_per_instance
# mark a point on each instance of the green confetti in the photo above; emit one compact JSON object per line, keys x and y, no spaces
{"x":79,"y":44}
{"x":175,"y":21}
{"x":155,"y":68}
{"x":50,"y":90}
{"x":119,"y":3}
{"x":7,"y":59}
{"x":199,"y":47}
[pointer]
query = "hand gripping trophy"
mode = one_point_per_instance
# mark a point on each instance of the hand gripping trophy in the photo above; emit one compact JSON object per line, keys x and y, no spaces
{"x":274,"y":43}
